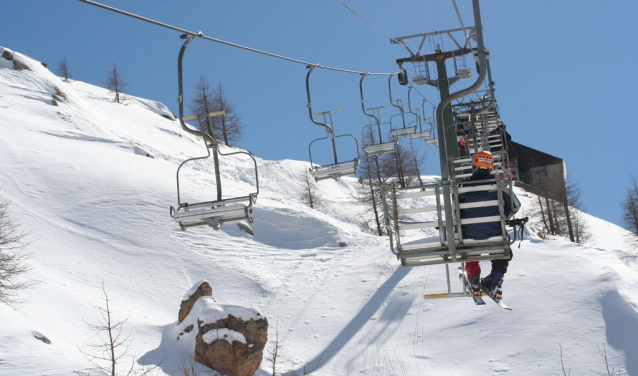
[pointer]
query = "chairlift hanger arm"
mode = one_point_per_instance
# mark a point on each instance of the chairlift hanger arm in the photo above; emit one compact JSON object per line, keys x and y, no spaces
{"x":492,"y":103}
{"x":309,"y":105}
{"x":363,"y":107}
{"x":410,"y":105}
{"x":400,"y":107}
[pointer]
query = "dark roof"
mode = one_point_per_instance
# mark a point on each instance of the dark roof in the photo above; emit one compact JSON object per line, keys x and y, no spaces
{"x":527,"y":156}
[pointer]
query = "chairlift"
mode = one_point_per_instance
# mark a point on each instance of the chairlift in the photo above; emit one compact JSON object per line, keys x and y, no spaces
{"x":214,"y":212}
{"x":375,"y":148}
{"x":337,"y":169}
{"x":429,"y":215}
{"x":409,"y":212}
{"x":421,"y":134}
{"x":460,"y":69}
{"x":404,"y":131}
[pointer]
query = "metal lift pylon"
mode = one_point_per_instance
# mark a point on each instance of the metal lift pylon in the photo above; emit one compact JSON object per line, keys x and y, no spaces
{"x":216,"y":212}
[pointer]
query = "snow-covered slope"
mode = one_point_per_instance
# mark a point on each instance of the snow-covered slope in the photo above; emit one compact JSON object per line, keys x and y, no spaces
{"x":97,"y":208}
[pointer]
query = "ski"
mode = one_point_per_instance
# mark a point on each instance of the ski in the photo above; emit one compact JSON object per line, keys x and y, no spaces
{"x":475,"y":295}
{"x":495,"y":299}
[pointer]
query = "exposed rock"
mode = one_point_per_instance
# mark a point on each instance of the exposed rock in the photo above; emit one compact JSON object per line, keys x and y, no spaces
{"x":7,"y":54}
{"x":204,"y":289}
{"x":42,"y":337}
{"x":231,"y":345}
{"x":19,"y":66}
{"x":45,"y":65}
{"x":62,"y":96}
{"x":228,"y":339}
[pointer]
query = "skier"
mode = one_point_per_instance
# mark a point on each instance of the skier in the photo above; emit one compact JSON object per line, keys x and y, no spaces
{"x":482,"y":164}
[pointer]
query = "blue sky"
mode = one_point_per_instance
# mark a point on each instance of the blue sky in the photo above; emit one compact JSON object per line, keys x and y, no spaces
{"x":564,"y":70}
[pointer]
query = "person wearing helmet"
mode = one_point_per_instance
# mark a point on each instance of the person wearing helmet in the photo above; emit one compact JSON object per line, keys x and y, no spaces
{"x":482,"y":165}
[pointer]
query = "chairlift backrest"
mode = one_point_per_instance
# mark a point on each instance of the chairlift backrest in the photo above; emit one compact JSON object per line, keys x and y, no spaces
{"x":417,"y":213}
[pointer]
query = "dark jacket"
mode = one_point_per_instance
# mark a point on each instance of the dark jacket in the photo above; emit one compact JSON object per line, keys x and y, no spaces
{"x":480,"y":231}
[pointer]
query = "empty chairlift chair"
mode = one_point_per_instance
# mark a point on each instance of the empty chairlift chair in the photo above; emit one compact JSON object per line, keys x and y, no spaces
{"x":374,"y":148}
{"x":214,"y":212}
{"x":403,"y":131}
{"x":336,"y":169}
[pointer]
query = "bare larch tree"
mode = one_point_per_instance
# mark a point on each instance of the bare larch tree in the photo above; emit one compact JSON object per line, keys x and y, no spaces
{"x":629,"y":207}
{"x":115,"y":83}
{"x":63,"y":70}
{"x":227,"y":128}
{"x":310,"y":194}
{"x":12,"y":259}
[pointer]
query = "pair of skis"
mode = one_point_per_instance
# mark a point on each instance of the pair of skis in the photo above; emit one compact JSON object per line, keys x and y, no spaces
{"x":476,"y":295}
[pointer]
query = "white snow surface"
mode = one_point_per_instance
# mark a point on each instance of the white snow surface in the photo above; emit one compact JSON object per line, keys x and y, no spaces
{"x":223,"y":333}
{"x":97,"y":209}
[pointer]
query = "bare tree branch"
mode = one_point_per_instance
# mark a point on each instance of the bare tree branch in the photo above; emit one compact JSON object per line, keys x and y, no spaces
{"x":112,"y":347}
{"x":13,"y":259}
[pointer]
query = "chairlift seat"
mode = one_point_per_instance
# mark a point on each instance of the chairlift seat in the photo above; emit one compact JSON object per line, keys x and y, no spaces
{"x":432,"y":250}
{"x":214,"y":213}
{"x":421,"y":135}
{"x":472,"y":250}
{"x":334,"y":171}
{"x":376,"y":149}
{"x":419,"y":80}
{"x":432,"y":141}
{"x":399,"y":132}
{"x":465,"y":73}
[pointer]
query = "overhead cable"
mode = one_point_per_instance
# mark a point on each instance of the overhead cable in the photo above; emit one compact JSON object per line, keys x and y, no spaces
{"x":392,"y":39}
{"x":202,"y":36}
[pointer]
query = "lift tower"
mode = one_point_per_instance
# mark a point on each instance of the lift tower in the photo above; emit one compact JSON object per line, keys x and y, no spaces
{"x":442,"y":82}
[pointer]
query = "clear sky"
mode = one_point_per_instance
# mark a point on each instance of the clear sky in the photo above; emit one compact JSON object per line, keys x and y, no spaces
{"x":564,"y":70}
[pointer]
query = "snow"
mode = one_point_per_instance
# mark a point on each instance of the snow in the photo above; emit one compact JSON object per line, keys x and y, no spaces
{"x":97,"y":209}
{"x":227,"y":334}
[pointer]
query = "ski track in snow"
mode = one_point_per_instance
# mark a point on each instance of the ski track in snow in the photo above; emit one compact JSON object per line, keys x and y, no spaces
{"x":98,"y":213}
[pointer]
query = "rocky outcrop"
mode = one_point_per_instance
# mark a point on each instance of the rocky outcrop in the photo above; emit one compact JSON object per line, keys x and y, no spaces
{"x":228,"y":339}
{"x":232,"y":345}
{"x":17,"y":65}
{"x":7,"y":54}
{"x":202,"y":288}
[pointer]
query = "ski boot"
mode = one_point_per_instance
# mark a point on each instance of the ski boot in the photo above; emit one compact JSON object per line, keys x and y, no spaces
{"x":475,"y":284}
{"x":493,"y":283}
